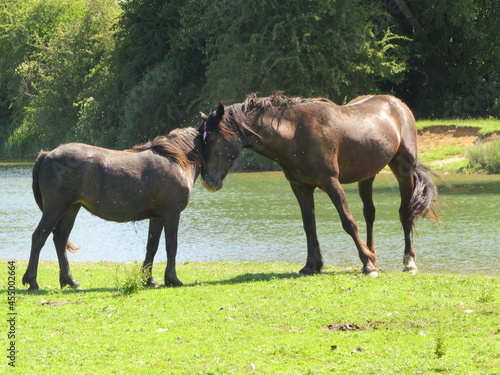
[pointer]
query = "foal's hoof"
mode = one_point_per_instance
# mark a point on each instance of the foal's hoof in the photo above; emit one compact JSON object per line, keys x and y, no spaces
{"x":151,"y":283}
{"x":71,"y":283}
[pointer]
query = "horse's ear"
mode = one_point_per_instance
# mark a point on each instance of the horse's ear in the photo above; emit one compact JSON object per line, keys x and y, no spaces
{"x":220,"y":110}
{"x":204,"y":117}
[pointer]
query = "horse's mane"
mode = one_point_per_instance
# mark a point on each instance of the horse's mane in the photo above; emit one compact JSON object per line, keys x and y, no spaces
{"x":181,"y":145}
{"x":237,"y":114}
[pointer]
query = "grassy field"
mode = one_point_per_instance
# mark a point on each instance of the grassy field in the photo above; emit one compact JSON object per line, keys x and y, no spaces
{"x":243,"y":318}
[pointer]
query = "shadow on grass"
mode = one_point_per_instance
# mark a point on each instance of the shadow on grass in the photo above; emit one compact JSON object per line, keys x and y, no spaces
{"x":263,"y":277}
{"x":240,"y":279}
{"x":46,"y":292}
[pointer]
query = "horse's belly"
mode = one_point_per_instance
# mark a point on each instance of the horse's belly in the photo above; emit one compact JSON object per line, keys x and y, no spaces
{"x":360,"y":165}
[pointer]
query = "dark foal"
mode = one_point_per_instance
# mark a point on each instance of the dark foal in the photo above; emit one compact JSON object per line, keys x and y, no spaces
{"x":151,"y":181}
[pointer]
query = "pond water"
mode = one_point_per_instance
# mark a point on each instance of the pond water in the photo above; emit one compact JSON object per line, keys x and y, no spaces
{"x":255,"y":217}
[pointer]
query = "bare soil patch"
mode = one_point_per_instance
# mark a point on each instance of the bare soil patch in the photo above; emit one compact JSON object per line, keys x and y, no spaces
{"x":445,"y":135}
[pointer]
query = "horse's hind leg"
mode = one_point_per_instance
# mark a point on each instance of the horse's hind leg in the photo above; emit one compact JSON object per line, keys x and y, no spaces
{"x":38,"y":239}
{"x":155,"y":229}
{"x":336,"y":193}
{"x":365,"y":189}
{"x":61,"y":236}
{"x":403,"y":170}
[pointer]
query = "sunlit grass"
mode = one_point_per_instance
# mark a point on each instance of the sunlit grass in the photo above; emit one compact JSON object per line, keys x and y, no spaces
{"x":239,"y":318}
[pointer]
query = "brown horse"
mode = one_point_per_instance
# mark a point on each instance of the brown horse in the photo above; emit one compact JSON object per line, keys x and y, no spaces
{"x":319,"y":144}
{"x":151,"y":181}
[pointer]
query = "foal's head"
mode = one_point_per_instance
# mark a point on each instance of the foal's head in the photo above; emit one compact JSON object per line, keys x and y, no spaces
{"x":221,"y":146}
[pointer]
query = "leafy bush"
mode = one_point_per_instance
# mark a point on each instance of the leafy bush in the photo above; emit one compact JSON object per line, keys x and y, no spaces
{"x":485,"y":156}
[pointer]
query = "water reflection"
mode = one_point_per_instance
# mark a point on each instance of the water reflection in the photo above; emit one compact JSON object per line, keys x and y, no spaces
{"x":255,"y":218}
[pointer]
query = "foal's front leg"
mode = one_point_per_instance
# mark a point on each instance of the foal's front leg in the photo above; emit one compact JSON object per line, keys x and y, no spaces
{"x":154,"y":233}
{"x":305,"y":197}
{"x":171,"y":224}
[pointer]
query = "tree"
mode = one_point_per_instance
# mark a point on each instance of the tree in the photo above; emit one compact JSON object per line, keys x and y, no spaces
{"x":305,"y":47}
{"x":454,"y":65}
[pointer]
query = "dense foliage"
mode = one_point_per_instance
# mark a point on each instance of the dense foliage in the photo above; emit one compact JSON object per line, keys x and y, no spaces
{"x":117,"y":73}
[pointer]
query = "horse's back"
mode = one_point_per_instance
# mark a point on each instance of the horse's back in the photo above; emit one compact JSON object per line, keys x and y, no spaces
{"x":356,"y":140}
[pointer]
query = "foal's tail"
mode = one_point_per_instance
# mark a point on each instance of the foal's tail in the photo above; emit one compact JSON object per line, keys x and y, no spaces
{"x":37,"y":192}
{"x":36,"y":184}
{"x":424,"y":199}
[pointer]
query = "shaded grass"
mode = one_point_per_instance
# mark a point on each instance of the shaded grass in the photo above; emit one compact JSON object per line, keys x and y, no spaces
{"x":235,"y":317}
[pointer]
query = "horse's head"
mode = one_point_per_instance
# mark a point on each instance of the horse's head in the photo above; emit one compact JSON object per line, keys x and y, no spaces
{"x":221,"y":146}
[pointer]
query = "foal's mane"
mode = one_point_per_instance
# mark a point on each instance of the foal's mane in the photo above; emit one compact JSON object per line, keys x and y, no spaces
{"x":181,"y":145}
{"x":236,"y":116}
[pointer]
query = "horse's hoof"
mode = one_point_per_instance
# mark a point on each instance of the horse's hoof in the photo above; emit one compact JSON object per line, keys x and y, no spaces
{"x":412,"y":270}
{"x":33,"y":288}
{"x":310,"y":270}
{"x":174,"y":283}
{"x":410,"y":264}
{"x":306,"y":271}
{"x":370,"y":271}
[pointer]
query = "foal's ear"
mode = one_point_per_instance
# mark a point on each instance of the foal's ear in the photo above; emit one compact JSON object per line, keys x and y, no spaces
{"x":220,"y":110}
{"x":204,"y":117}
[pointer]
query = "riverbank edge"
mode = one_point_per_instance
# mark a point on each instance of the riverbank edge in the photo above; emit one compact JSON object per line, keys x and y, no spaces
{"x":442,"y":144}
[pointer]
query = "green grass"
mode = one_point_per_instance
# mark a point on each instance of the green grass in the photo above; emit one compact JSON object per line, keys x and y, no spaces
{"x":241,"y":318}
{"x":486,"y":126}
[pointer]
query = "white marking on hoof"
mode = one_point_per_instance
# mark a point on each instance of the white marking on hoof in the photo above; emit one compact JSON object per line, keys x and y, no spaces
{"x":410,"y":265}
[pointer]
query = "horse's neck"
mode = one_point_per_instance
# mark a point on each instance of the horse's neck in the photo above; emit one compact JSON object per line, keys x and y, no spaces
{"x":267,"y":135}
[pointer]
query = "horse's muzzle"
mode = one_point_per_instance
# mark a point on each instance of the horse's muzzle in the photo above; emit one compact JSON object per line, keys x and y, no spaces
{"x":212,"y":185}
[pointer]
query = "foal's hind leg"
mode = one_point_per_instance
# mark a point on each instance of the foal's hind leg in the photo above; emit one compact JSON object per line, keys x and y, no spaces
{"x":61,"y":236}
{"x":365,"y":189}
{"x":403,"y":170}
{"x":155,"y":229}
{"x":38,"y":239}
{"x":336,"y":193}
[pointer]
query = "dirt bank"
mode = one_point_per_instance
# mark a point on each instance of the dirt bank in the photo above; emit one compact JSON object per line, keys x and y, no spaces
{"x":443,"y":135}
{"x":456,"y":138}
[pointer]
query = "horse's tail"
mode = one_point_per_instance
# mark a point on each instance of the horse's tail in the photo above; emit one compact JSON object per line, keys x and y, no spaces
{"x":37,"y":192}
{"x":424,"y":199}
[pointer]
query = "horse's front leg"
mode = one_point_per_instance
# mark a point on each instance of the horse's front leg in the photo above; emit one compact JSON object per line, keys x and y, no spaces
{"x":171,"y":224}
{"x":305,"y":197}
{"x":155,"y":229}
{"x":337,"y":195}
